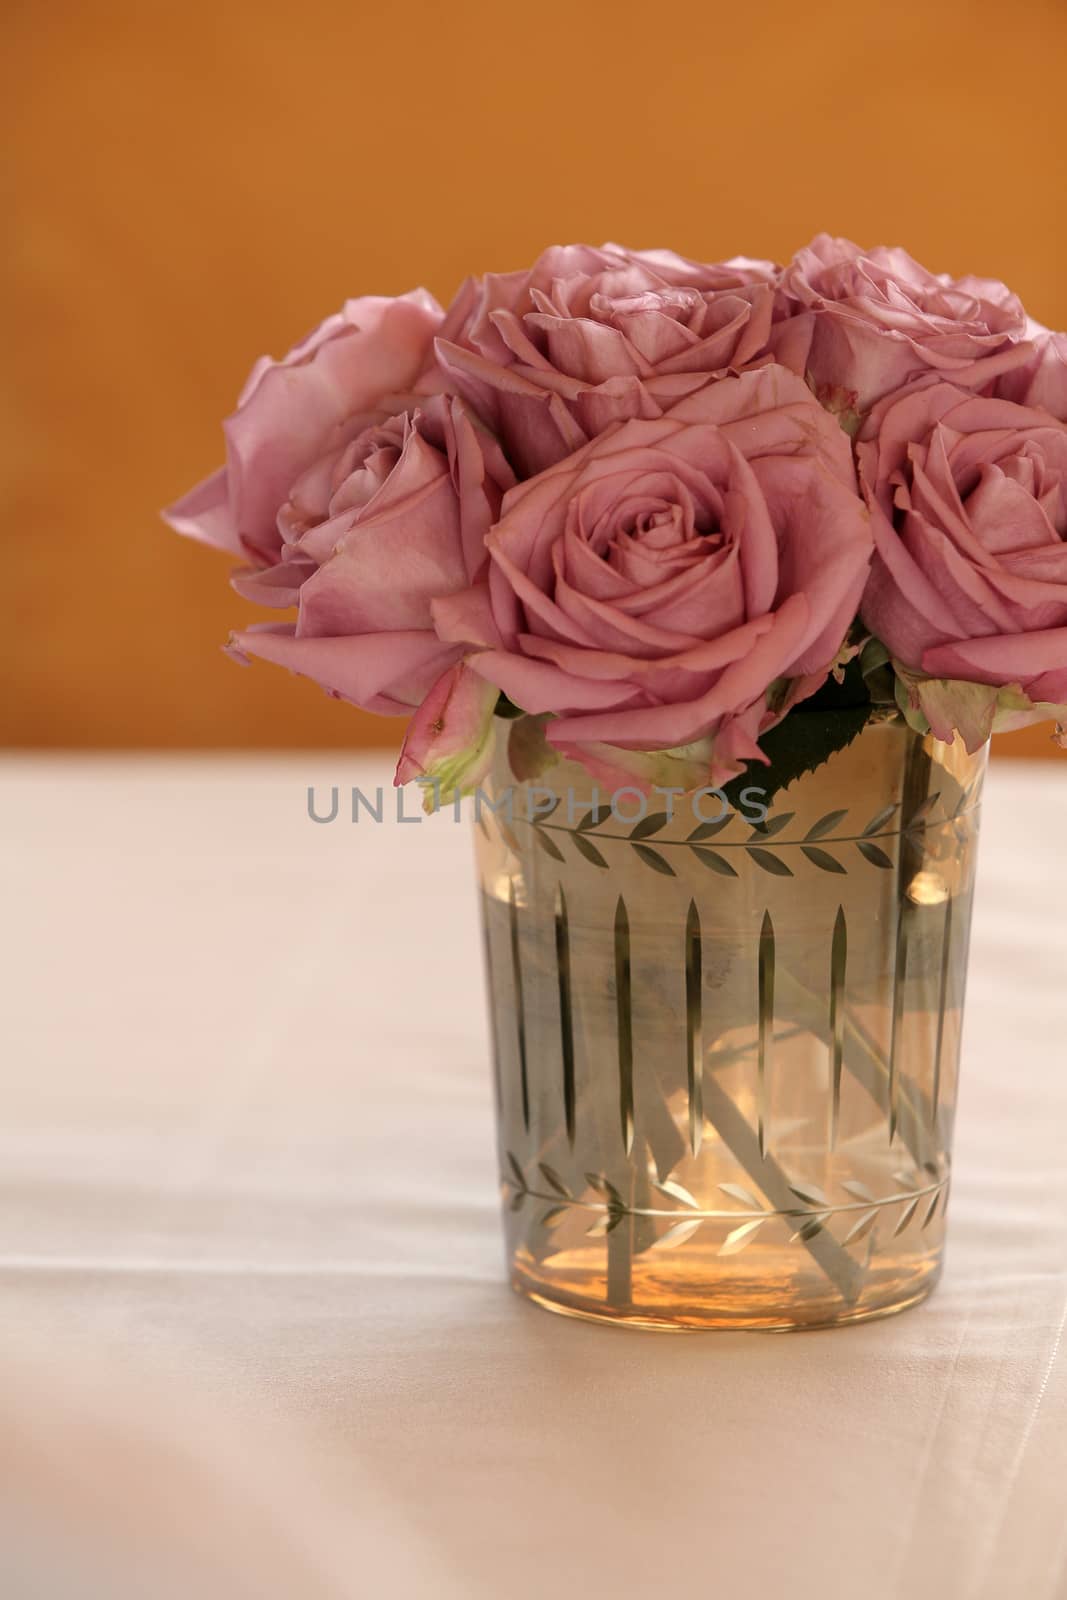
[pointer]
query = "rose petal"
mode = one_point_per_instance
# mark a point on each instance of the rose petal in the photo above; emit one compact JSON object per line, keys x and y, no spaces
{"x":400,"y":667}
{"x":300,"y":408}
{"x":204,"y":514}
{"x":273,"y":586}
{"x":537,"y":686}
{"x":742,"y":682}
{"x":449,"y":739}
{"x":1020,"y":658}
{"x":466,"y":618}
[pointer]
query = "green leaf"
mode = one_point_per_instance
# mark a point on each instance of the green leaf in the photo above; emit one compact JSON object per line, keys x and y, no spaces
{"x":652,"y":858}
{"x":832,"y":695}
{"x":799,"y":744}
{"x":649,"y":825}
{"x":769,"y":862}
{"x":871,"y":853}
{"x":825,"y":824}
{"x":529,"y":752}
{"x":822,"y":859}
{"x":878,"y":675}
{"x":712,"y":859}
{"x":588,"y":849}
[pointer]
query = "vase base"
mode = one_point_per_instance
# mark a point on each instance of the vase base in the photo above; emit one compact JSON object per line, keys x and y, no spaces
{"x":719,"y":1315}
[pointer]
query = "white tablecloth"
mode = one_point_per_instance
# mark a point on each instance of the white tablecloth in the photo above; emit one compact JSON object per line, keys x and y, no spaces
{"x":251,"y":1270}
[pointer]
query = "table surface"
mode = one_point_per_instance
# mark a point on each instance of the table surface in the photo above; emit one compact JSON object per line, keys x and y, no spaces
{"x":249,"y":1244}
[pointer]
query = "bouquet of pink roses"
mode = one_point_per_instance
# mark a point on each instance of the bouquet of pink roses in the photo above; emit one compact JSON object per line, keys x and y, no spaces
{"x":658,"y":505}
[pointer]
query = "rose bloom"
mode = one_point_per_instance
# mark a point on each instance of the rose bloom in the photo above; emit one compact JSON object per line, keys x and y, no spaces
{"x":969,"y":509}
{"x":553,"y":355}
{"x":678,"y":582}
{"x":877,"y":319}
{"x":393,"y":522}
{"x":1042,"y":380}
{"x":358,"y":514}
{"x":358,"y":367}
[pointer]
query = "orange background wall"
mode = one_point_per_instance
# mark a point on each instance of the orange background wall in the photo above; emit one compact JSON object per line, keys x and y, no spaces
{"x":194,"y":184}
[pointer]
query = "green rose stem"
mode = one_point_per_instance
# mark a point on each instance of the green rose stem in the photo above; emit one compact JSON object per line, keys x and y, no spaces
{"x":866,"y":1063}
{"x":634,"y":1232}
{"x":625,"y":1186}
{"x":633,"y":1229}
{"x":733,"y":1128}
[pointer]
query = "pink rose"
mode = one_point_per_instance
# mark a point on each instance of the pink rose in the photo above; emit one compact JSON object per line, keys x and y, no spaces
{"x":678,"y":582}
{"x":1042,"y":381}
{"x":375,"y":533}
{"x":360,"y":504}
{"x":554,"y":355}
{"x":358,"y":367}
{"x":877,"y":319}
{"x":969,"y":585}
